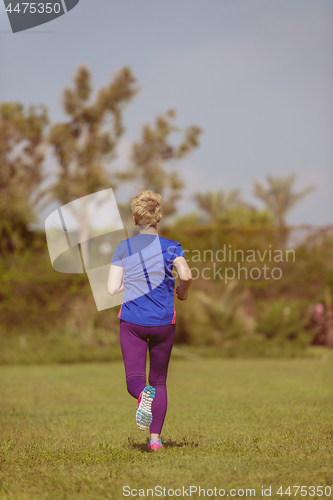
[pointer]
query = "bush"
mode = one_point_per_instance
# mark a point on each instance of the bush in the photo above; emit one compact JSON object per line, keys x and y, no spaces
{"x":206,"y":321}
{"x":284,"y":321}
{"x":223,"y":316}
{"x":193,"y":326}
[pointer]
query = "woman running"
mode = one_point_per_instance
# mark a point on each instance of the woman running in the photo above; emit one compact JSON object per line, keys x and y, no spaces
{"x":142,"y":267}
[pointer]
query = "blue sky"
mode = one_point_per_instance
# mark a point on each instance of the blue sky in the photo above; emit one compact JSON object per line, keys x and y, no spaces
{"x":255,"y":75}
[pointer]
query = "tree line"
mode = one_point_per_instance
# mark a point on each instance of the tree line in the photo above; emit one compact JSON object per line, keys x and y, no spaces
{"x":84,"y":147}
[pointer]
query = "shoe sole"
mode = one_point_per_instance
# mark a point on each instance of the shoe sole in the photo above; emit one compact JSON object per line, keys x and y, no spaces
{"x":144,"y":416}
{"x":150,"y":446}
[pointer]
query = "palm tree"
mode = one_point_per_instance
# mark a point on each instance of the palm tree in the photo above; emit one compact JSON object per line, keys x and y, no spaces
{"x":216,"y":204}
{"x":279,"y":196}
{"x":222,"y":313}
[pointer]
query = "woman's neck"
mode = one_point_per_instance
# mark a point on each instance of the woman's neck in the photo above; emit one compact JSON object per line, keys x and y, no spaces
{"x":150,"y":230}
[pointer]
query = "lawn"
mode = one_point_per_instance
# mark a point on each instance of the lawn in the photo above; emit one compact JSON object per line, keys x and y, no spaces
{"x":68,"y":431}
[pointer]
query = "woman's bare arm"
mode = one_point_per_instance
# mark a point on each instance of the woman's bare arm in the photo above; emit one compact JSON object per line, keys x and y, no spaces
{"x":115,"y":280}
{"x":185,"y":277}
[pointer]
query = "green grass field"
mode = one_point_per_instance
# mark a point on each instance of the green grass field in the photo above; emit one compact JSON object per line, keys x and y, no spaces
{"x":68,"y":431}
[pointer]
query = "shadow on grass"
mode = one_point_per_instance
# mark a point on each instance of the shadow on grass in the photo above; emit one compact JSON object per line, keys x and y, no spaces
{"x":169,"y":443}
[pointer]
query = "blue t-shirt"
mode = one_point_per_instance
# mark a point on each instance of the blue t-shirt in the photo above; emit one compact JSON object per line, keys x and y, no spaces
{"x":149,"y":285}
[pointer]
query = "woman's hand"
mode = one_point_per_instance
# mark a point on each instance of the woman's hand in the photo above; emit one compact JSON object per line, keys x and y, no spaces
{"x":181,"y":297}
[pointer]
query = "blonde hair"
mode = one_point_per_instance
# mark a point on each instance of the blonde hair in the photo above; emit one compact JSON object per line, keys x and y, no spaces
{"x":146,"y":208}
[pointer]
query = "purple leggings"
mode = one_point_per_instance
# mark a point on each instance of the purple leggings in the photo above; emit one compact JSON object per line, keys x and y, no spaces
{"x":134,"y":340}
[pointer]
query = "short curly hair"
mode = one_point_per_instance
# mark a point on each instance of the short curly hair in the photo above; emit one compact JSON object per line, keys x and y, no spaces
{"x":146,"y":208}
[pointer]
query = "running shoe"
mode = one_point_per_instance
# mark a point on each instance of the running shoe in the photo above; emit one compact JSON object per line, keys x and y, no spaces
{"x":154,"y":445}
{"x":144,"y":416}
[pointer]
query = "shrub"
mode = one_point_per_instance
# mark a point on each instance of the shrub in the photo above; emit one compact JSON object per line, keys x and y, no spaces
{"x":284,"y":321}
{"x":223,"y":314}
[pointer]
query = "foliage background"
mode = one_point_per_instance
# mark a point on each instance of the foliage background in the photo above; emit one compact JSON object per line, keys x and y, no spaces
{"x":47,"y":316}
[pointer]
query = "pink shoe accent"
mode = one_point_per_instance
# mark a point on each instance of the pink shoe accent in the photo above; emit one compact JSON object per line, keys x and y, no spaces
{"x":139,"y":400}
{"x":154,"y":445}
